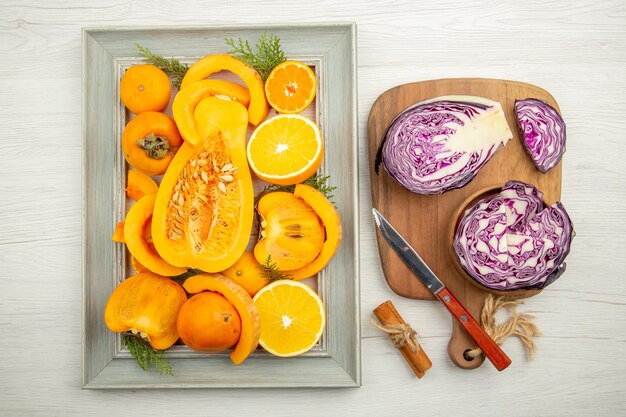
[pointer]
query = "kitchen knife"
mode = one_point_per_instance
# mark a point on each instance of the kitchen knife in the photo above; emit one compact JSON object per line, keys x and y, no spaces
{"x":408,"y":255}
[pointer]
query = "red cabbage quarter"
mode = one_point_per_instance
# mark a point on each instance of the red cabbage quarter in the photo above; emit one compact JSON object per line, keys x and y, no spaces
{"x":542,"y":130}
{"x":511,"y":240}
{"x":440,"y":144}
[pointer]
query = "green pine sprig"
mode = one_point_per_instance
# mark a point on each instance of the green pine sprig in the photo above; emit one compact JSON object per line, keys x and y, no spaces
{"x":146,"y":356}
{"x":269,"y":53}
{"x":270,"y":270}
{"x":183,"y":277}
{"x":320,"y":183}
{"x":317,"y":181}
{"x":172,"y":67}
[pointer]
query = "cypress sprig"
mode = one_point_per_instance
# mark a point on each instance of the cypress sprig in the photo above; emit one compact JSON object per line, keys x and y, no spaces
{"x":269,"y":53}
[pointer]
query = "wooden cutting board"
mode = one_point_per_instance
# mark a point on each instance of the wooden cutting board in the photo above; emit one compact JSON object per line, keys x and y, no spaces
{"x":424,"y":220}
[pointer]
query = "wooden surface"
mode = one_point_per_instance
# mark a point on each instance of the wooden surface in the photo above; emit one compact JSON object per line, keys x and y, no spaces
{"x":425,"y":220}
{"x":576,"y":50}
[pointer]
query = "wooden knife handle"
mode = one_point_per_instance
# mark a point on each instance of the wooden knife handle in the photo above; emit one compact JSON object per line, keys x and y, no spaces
{"x":492,"y":351}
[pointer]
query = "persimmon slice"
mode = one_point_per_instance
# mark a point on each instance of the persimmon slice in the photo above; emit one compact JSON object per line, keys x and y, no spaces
{"x":292,"y":233}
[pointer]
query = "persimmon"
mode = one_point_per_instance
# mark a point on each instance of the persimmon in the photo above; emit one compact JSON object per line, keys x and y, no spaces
{"x":248,"y":273}
{"x":145,"y":88}
{"x":208,"y":322}
{"x":241,"y":300}
{"x":147,"y":304}
{"x":150,"y":141}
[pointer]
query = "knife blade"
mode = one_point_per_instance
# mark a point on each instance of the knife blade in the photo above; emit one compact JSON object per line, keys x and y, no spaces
{"x":408,"y":255}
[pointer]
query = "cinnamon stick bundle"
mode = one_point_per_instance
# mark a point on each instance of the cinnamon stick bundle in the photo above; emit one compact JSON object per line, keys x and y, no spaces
{"x":403,"y":337}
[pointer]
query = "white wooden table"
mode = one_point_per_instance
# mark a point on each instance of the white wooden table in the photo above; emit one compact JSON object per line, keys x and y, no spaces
{"x":576,"y":50}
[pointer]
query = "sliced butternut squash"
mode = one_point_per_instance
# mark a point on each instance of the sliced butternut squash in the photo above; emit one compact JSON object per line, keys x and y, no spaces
{"x":139,"y":184}
{"x":139,"y":218}
{"x":188,"y":98}
{"x":241,"y":300}
{"x":332,"y":223}
{"x":137,"y":266}
{"x":205,"y":204}
{"x":210,"y":64}
{"x":118,"y":234}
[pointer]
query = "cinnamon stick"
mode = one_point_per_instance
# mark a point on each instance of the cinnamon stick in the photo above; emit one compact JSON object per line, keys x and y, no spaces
{"x":416,"y":358}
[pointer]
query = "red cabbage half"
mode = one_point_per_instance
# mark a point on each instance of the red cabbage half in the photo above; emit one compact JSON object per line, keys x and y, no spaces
{"x":511,"y":240}
{"x":440,"y":144}
{"x":542,"y":131}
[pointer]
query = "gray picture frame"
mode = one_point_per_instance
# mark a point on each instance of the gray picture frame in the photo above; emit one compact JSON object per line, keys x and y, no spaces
{"x":336,"y":361}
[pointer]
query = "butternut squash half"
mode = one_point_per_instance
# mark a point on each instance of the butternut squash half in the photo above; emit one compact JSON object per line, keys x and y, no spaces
{"x":205,"y":204}
{"x":211,"y":64}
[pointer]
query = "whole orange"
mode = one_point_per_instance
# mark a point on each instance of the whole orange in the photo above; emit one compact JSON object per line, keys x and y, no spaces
{"x":208,"y":322}
{"x":145,"y":88}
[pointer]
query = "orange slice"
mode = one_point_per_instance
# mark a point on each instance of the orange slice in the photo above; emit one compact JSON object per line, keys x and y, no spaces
{"x":290,"y":87}
{"x":286,"y":149}
{"x":292,"y":317}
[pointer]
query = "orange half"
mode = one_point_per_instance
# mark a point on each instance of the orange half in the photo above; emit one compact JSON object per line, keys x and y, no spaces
{"x":292,"y":318}
{"x":286,"y":149}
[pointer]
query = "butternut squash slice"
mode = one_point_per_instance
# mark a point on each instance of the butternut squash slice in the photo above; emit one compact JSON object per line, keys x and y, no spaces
{"x":118,"y":233}
{"x":210,"y":64}
{"x":139,"y":218}
{"x":241,"y":300}
{"x":139,"y":184}
{"x":187,"y":99}
{"x":205,"y":204}
{"x":332,"y":223}
{"x":138,"y":267}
